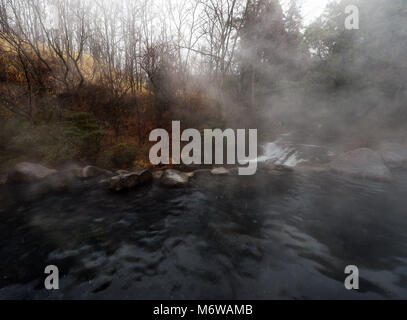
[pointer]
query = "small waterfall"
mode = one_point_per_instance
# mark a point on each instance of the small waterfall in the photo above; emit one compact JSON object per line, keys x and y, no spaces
{"x":281,"y":154}
{"x":287,"y":153}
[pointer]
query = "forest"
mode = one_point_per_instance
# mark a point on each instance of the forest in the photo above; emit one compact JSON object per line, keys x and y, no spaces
{"x":86,"y":81}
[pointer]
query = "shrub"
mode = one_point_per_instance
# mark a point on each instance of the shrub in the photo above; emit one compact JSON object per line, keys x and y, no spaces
{"x":47,"y":143}
{"x":78,"y":137}
{"x":85,"y":132}
{"x":120,"y":156}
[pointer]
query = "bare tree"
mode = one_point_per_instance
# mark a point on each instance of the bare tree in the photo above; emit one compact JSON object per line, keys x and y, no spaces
{"x":220,"y":24}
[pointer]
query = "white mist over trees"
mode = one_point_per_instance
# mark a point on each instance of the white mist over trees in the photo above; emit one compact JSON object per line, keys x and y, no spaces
{"x":130,"y":66}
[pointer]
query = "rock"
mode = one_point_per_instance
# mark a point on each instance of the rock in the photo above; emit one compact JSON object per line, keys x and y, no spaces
{"x":57,"y":182}
{"x":122,"y":172}
{"x":27,"y":172}
{"x":72,"y":171}
{"x":130,"y":180}
{"x":220,"y":172}
{"x":158,"y":174}
{"x":362,"y":162}
{"x":41,"y":185}
{"x":190,"y":174}
{"x":174,"y":178}
{"x":393,"y":154}
{"x":38,"y":189}
{"x":202,"y":172}
{"x":270,"y":166}
{"x":93,"y":172}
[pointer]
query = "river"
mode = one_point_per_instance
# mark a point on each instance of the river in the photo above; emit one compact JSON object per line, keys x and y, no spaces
{"x":275,"y":235}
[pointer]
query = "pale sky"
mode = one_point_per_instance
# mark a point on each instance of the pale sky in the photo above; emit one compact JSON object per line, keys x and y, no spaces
{"x":311,"y":9}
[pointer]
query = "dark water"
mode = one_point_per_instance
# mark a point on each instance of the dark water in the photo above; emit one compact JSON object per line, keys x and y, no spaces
{"x":280,"y":235}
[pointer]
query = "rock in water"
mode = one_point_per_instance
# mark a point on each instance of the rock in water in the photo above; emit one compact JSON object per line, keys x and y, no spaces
{"x":271,"y":167}
{"x":190,"y":174}
{"x":37,"y":181}
{"x":122,"y":172}
{"x":93,"y":172}
{"x":130,"y":180}
{"x":27,"y":172}
{"x":157,"y":175}
{"x":174,"y":178}
{"x":393,"y":154}
{"x":362,"y":162}
{"x":220,"y":172}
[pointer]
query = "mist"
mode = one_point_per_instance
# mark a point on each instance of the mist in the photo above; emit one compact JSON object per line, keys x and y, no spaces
{"x":98,"y":99}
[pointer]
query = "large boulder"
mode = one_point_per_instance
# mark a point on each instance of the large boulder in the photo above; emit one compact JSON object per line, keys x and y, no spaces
{"x":30,"y":182}
{"x":362,"y":162}
{"x":27,"y":172}
{"x":94,"y":172}
{"x":131,"y":180}
{"x":393,"y":154}
{"x":174,"y":178}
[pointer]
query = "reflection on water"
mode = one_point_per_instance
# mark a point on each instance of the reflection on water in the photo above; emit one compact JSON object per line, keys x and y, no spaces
{"x":269,"y":236}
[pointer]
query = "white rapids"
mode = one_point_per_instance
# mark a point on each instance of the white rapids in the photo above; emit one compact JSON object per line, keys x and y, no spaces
{"x":283,"y":152}
{"x":280,"y":154}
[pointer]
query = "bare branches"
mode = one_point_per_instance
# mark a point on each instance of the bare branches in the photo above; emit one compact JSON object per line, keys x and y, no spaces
{"x":127,"y":46}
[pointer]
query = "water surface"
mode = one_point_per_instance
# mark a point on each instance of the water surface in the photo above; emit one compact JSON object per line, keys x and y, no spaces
{"x":274,"y":235}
